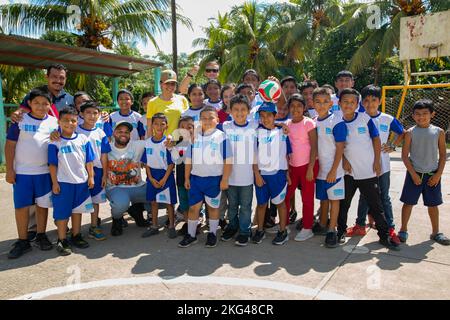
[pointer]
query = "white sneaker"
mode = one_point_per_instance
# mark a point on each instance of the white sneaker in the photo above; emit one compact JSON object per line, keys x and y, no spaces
{"x":304,"y":234}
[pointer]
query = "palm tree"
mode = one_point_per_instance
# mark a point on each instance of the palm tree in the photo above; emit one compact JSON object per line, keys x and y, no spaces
{"x":101,"y":22}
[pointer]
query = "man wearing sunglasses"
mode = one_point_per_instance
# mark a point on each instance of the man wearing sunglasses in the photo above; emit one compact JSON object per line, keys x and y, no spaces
{"x":211,"y":72}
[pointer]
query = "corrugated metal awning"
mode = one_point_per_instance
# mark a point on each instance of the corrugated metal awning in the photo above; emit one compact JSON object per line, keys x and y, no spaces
{"x":35,"y":53}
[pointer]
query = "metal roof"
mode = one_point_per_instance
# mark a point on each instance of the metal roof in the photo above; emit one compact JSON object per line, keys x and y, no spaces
{"x":35,"y":53}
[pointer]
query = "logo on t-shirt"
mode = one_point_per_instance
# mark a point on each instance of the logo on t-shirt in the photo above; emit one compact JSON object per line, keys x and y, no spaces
{"x":149,"y":151}
{"x":162,"y":197}
{"x":162,"y":154}
{"x":214,"y":146}
{"x":89,"y":206}
{"x":66,"y":149}
{"x":328,"y":130}
{"x":384,"y":127}
{"x":30,"y":128}
{"x":338,"y":192}
{"x":361,"y":130}
{"x":235,"y":137}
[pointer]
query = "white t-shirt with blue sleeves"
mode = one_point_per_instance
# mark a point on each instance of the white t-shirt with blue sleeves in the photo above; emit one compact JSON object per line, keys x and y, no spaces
{"x":330,"y":130}
{"x":70,"y":155}
{"x":386,"y":124}
{"x":133,"y":117}
{"x":143,"y":121}
{"x":359,"y":148}
{"x":208,"y":153}
{"x":273,"y":147}
{"x":215,"y":104}
{"x":156,"y":155}
{"x":194,"y":113}
{"x":32,"y":136}
{"x":99,"y":143}
{"x":242,"y":140}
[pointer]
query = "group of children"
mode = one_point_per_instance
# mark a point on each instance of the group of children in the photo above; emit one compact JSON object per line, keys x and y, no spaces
{"x":229,"y":144}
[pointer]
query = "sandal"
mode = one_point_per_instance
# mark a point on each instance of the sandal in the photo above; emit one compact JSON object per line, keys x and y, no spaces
{"x":403,"y":236}
{"x":441,"y":239}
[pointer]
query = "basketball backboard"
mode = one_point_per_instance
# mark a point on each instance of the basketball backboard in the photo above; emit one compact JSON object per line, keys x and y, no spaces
{"x":425,"y":36}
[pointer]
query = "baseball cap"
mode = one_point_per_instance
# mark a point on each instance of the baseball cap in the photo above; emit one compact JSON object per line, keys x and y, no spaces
{"x":268,"y":107}
{"x":124,"y":123}
{"x":168,"y":76}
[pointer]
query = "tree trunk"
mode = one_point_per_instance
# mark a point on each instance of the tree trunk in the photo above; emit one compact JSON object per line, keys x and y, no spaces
{"x":174,"y":38}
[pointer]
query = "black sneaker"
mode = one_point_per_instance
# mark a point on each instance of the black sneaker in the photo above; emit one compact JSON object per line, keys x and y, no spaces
{"x":258,"y":236}
{"x":340,"y":237}
{"x":150,"y":232}
{"x":123,"y":222}
{"x":292,"y":216}
{"x":20,"y":247}
{"x":42,"y":242}
{"x":79,"y":242}
{"x":136,"y":211}
{"x":187,"y":241}
{"x":331,"y":240}
{"x":241,"y":240}
{"x":116,"y":228}
{"x":388,"y":243}
{"x":183,"y":231}
{"x":31,"y":236}
{"x":211,"y":240}
{"x":223,"y":224}
{"x":318,"y":230}
{"x":299,"y":225}
{"x":228,"y":234}
{"x":281,"y":238}
{"x":63,"y":247}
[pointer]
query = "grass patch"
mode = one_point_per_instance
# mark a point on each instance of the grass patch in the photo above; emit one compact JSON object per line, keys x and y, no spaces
{"x":2,"y":168}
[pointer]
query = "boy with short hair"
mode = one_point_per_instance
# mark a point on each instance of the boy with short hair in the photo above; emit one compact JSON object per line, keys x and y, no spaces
{"x":385,"y":124}
{"x":160,"y":180}
{"x":423,"y":143}
{"x":248,"y":90}
{"x":306,"y":89}
{"x":72,"y":171}
{"x":344,"y":80}
{"x":331,"y":136}
{"x":271,"y":172}
{"x":242,"y":136}
{"x":125,"y":100}
{"x":362,"y":166}
{"x":27,"y":170}
{"x":146,"y":96}
{"x":90,"y":112}
{"x":207,"y":170}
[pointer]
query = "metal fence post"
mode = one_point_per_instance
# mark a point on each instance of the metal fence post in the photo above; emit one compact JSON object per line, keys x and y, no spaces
{"x":2,"y":124}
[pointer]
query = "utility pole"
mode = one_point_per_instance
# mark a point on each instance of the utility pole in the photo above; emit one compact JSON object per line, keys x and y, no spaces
{"x":174,"y":38}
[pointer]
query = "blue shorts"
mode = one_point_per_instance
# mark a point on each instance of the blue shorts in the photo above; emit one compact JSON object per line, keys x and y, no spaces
{"x":330,"y":191}
{"x":73,"y":198}
{"x":205,"y":189}
{"x":32,"y":189}
{"x":166,"y":194}
{"x":274,"y":188}
{"x":98,"y":194}
{"x":432,"y":196}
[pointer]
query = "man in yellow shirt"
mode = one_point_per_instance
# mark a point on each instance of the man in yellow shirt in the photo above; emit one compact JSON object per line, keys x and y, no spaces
{"x":168,"y":103}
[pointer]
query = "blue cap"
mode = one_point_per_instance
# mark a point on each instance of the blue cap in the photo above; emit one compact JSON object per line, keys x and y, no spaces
{"x":268,"y":107}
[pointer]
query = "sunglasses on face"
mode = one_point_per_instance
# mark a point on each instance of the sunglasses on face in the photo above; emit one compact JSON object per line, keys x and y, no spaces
{"x":212,"y":70}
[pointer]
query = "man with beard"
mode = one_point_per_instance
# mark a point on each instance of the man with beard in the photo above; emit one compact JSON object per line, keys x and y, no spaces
{"x":125,"y":184}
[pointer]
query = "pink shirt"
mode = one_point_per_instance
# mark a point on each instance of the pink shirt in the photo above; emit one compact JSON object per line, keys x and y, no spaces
{"x":299,"y":138}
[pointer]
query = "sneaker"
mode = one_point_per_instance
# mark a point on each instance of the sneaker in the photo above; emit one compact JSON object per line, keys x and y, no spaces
{"x":31,"y":236}
{"x":172,"y":233}
{"x":136,"y":211}
{"x":281,"y":238}
{"x":304,"y":235}
{"x":331,"y":240}
{"x":356,"y":230}
{"x":440,"y":238}
{"x":318,"y":230}
{"x":388,"y":243}
{"x":116,"y":228}
{"x":183,"y":231}
{"x":42,"y":242}
{"x":292,"y":216}
{"x":20,"y":247}
{"x":211,"y":240}
{"x":150,"y":232}
{"x":79,"y":242}
{"x":96,"y":233}
{"x":394,"y":236}
{"x":299,"y":225}
{"x":123,"y":222}
{"x":258,"y":237}
{"x":403,"y":236}
{"x":63,"y":247}
{"x":269,"y":223}
{"x":187,"y":241}
{"x":223,"y":224}
{"x":228,"y":234}
{"x":241,"y":240}
{"x":340,"y":237}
